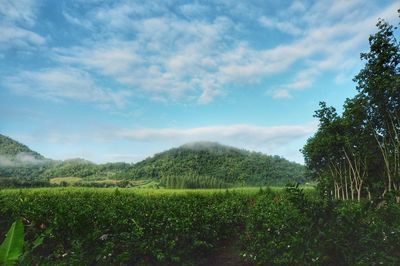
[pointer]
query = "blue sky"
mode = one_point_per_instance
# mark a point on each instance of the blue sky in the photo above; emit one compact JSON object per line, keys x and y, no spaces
{"x":122,"y":80}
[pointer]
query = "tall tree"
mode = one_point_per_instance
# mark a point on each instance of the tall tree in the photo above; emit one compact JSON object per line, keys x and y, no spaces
{"x":358,"y":153}
{"x":379,"y":82}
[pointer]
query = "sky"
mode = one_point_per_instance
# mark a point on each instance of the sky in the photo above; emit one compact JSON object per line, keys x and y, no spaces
{"x":118,"y":80}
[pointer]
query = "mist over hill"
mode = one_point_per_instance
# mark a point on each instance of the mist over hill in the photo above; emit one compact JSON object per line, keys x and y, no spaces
{"x":14,"y":153}
{"x":196,"y":164}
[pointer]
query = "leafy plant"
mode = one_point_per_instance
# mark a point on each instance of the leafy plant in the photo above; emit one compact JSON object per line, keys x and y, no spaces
{"x":12,"y":247}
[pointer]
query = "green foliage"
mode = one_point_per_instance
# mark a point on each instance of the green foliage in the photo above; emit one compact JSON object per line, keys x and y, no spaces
{"x":12,"y":148}
{"x":356,"y":154}
{"x":275,"y":234}
{"x":120,"y":227}
{"x":12,"y":247}
{"x":294,"y":228}
{"x":109,"y":227}
{"x":230,"y":166}
{"x":196,"y":165}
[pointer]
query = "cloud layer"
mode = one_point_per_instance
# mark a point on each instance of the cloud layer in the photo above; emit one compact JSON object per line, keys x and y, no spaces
{"x":64,"y":84}
{"x":190,"y":52}
{"x":274,"y":140}
{"x":249,"y":135}
{"x":17,"y":18}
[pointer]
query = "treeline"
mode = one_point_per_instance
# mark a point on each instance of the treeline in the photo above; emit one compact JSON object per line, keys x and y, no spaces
{"x":88,"y":170}
{"x":357,"y":154}
{"x":22,"y":182}
{"x":48,"y":169}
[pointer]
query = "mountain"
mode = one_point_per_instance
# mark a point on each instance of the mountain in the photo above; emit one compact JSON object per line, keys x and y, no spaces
{"x":19,"y":165}
{"x":14,"y":153}
{"x":226,"y":164}
{"x":198,"y":164}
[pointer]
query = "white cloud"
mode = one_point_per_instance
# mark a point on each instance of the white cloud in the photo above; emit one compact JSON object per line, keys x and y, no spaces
{"x":16,"y":17}
{"x":122,"y":157}
{"x":329,"y":47}
{"x":271,"y":140}
{"x":243,"y":134}
{"x":22,"y":11}
{"x":63,"y":84}
{"x":283,"y":26}
{"x":151,"y":65}
{"x":157,"y":54}
{"x":267,"y":139}
{"x":194,"y":9}
{"x":304,"y":79}
{"x":77,"y":21}
{"x":280,"y":93}
{"x":177,"y":59}
{"x":12,"y":36}
{"x":112,"y":143}
{"x":297,"y":6}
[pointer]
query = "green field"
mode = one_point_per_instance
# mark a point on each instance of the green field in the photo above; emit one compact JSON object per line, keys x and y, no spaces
{"x":253,"y":226}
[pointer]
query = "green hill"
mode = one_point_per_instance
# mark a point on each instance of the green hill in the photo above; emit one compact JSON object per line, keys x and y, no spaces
{"x":228,"y":165}
{"x":19,"y":165}
{"x":11,"y":151}
{"x":199,"y":164}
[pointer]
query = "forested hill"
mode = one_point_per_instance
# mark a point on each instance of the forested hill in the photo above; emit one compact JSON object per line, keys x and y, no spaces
{"x":224,"y":163}
{"x":199,"y":164}
{"x":12,"y":151}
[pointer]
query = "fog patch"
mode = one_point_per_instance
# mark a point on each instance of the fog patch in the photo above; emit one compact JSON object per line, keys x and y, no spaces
{"x":201,"y":145}
{"x":20,"y":159}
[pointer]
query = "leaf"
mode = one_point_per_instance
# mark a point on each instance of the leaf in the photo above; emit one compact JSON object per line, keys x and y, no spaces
{"x":39,"y":241}
{"x":12,"y":247}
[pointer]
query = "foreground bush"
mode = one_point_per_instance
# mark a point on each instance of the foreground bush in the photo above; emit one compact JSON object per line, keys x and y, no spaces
{"x":292,"y":229}
{"x":119,"y":227}
{"x":109,"y":228}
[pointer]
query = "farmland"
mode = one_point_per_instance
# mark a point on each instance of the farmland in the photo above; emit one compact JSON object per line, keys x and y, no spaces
{"x":286,"y":226}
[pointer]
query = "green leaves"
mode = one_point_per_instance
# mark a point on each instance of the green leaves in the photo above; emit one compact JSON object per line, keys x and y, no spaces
{"x":12,"y":247}
{"x":131,"y":227}
{"x":358,"y":151}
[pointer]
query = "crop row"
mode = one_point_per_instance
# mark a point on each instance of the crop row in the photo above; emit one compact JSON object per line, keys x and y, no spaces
{"x":118,"y":227}
{"x":124,"y":228}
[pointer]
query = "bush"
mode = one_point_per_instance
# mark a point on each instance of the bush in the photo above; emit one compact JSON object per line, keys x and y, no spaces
{"x":292,"y":229}
{"x":120,"y":227}
{"x":279,"y":231}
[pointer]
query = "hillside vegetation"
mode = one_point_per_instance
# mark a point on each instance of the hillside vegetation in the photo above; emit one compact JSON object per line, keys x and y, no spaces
{"x":225,"y":164}
{"x":193,"y":165}
{"x":11,"y":151}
